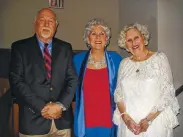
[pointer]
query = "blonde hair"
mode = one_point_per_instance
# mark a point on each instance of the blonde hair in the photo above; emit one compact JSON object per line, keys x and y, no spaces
{"x":141,"y":28}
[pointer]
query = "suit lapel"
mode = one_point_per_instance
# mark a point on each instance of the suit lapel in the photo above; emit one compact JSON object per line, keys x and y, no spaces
{"x":55,"y":55}
{"x":36,"y":51}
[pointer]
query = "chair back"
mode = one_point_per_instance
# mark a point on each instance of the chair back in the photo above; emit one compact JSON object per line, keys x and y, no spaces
{"x":4,"y":85}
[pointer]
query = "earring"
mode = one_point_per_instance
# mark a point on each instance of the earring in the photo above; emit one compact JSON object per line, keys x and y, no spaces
{"x":146,"y":42}
{"x":88,"y":46}
{"x":127,"y":50}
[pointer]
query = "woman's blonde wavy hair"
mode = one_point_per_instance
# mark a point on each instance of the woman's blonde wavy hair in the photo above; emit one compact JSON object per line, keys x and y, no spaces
{"x":141,"y":28}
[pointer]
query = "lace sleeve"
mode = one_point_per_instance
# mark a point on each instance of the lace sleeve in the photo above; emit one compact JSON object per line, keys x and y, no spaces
{"x":167,"y":95}
{"x":118,"y":95}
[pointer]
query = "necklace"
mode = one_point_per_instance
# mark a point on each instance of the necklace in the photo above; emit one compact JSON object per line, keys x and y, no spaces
{"x":139,"y":58}
{"x":96,"y":64}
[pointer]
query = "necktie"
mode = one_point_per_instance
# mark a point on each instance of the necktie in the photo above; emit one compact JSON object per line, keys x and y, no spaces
{"x":47,"y":61}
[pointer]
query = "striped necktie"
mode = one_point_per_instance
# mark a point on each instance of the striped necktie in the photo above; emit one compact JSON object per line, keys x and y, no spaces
{"x":47,"y":61}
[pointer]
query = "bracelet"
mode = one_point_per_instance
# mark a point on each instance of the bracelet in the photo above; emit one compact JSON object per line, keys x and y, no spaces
{"x":124,"y":113}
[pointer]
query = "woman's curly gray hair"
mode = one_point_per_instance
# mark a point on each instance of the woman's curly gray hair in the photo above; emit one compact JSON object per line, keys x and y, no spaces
{"x":91,"y":24}
{"x":141,"y":28}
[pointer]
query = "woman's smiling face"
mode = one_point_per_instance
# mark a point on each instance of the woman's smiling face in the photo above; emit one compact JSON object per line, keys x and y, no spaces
{"x":97,"y":38}
{"x":134,"y":41}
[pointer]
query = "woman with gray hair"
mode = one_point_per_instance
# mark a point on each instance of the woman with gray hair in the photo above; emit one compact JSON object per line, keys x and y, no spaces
{"x":97,"y":70}
{"x":145,"y":95}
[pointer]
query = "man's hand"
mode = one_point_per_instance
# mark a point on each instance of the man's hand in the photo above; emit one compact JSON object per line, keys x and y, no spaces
{"x":51,"y":111}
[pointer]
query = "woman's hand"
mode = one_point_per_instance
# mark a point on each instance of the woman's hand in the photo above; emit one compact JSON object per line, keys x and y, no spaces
{"x":131,"y":124}
{"x":144,"y":124}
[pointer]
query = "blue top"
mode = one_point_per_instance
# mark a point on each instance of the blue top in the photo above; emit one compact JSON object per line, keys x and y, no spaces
{"x":80,"y":61}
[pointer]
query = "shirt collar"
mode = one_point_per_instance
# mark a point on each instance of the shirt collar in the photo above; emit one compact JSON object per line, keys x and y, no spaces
{"x":41,"y":44}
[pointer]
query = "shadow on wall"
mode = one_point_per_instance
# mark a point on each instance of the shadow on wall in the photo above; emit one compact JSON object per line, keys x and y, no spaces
{"x":3,"y":7}
{"x":4,"y":62}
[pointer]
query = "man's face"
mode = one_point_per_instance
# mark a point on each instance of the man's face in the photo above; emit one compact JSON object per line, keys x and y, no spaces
{"x":45,"y":25}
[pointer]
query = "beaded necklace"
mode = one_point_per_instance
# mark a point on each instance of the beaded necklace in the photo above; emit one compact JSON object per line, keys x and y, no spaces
{"x":97,"y":64}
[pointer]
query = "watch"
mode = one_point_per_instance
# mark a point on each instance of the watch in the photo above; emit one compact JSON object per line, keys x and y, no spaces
{"x":61,"y":106}
{"x":148,"y":121}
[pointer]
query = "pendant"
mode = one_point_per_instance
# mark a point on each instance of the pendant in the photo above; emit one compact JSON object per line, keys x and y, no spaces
{"x":137,"y":70}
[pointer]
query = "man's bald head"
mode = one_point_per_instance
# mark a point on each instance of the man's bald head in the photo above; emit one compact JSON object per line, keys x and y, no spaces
{"x":45,"y":24}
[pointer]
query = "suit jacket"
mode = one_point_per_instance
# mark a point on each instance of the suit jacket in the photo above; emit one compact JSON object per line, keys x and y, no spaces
{"x":28,"y":83}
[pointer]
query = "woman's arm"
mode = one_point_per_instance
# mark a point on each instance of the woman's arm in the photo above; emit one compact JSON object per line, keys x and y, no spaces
{"x":119,"y":100}
{"x":167,"y":93}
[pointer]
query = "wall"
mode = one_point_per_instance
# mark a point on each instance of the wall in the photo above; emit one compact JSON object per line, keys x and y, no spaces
{"x":17,"y":19}
{"x":170,"y":35}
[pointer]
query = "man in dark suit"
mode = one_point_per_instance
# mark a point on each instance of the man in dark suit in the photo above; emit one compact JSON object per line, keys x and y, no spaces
{"x":43,"y":79}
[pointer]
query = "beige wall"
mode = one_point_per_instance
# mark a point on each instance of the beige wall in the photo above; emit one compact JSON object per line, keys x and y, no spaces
{"x":17,"y":19}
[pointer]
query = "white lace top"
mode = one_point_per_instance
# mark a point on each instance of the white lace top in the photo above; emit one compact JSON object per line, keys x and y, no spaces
{"x":146,"y":87}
